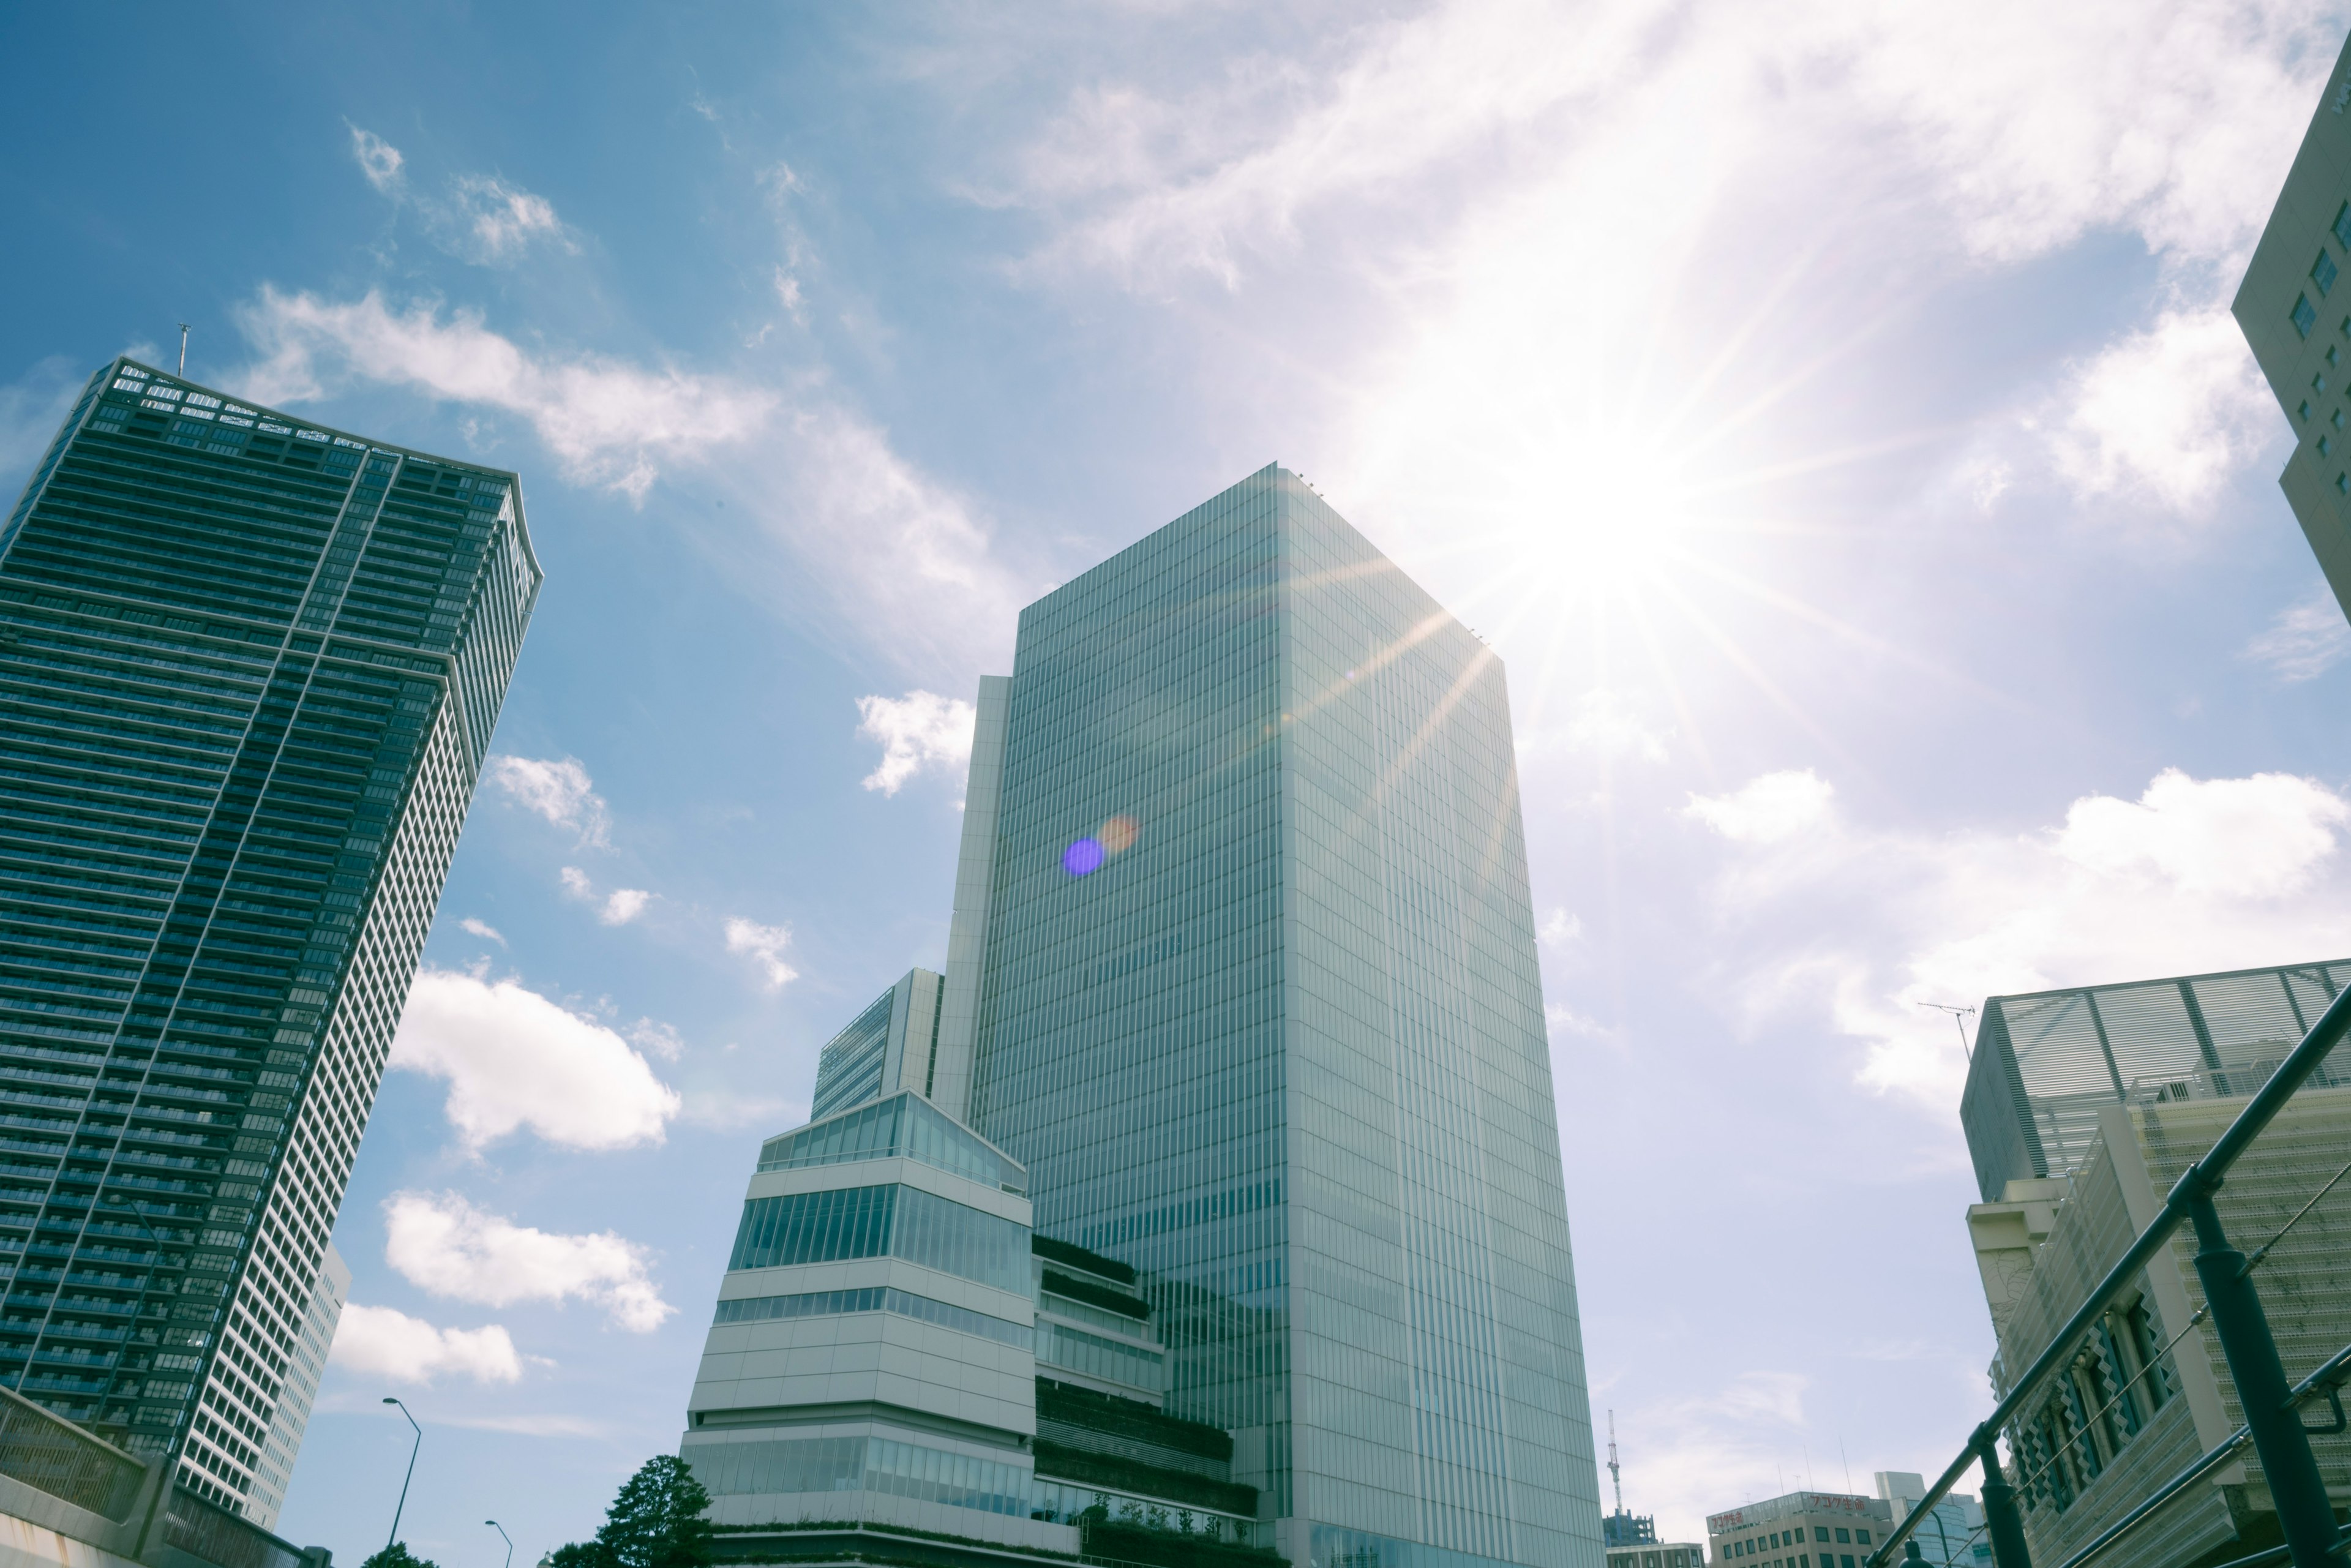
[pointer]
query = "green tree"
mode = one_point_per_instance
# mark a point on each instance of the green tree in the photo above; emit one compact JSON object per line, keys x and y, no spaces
{"x":397,"y":1555}
{"x":655,"y":1522}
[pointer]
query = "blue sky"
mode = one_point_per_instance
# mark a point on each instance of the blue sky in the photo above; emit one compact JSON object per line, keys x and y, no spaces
{"x":1828,"y":411}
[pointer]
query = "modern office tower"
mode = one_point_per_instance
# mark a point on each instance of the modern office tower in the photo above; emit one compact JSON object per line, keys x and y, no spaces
{"x":2146,"y":1388}
{"x":249,"y":671}
{"x":1952,"y":1533}
{"x":1800,"y":1530}
{"x":871,"y":1059}
{"x":2300,"y":328}
{"x":1243,"y":972}
{"x":2044,"y":1063}
{"x":304,"y":1371}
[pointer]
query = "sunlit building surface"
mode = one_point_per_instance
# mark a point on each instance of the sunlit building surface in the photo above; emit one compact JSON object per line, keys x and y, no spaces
{"x":2045,"y":1062}
{"x":1800,"y":1530}
{"x":2147,"y":1389}
{"x":248,"y":671}
{"x":892,"y":1045}
{"x":2299,"y":325}
{"x":1243,"y":972}
{"x":305,"y":1370}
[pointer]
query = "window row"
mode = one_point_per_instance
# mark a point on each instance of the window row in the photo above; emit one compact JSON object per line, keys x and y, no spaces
{"x":883,"y":1221}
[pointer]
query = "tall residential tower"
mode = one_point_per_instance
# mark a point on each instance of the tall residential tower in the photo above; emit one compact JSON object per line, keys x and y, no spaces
{"x":248,"y":671}
{"x":1243,"y":972}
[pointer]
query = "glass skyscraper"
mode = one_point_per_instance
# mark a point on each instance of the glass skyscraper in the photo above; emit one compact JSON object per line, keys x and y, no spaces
{"x":1243,"y":970}
{"x":248,"y":671}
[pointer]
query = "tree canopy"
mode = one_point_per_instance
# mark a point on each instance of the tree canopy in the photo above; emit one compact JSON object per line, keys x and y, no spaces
{"x":398,"y":1555}
{"x":655,"y":1522}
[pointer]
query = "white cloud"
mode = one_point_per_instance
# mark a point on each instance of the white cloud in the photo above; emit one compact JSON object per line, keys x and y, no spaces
{"x":2308,"y":638}
{"x":483,"y":929}
{"x":514,"y":1059}
{"x":442,"y":1243}
{"x":2233,"y":838}
{"x":917,"y":731}
{"x":1768,"y":810}
{"x":499,"y":222}
{"x":1603,"y":724}
{"x":663,"y":1040}
{"x":2167,"y":414}
{"x":379,"y":159}
{"x":765,"y":945}
{"x":870,"y":537}
{"x":605,"y":420}
{"x":387,"y":1343}
{"x":2193,"y":876}
{"x":561,"y":791}
{"x":483,"y":219}
{"x":1559,"y":929}
{"x":617,"y":908}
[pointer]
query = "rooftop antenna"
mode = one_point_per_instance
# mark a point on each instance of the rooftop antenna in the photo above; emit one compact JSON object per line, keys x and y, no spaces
{"x":184,"y":350}
{"x":1957,"y":1014}
{"x":1616,"y":1478}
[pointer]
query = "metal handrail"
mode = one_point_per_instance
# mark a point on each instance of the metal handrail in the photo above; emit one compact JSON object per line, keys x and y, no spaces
{"x":2196,"y":1183}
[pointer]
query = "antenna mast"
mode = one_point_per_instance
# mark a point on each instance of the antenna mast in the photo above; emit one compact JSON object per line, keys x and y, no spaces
{"x":1615,"y":1479}
{"x":184,"y":350}
{"x":1957,"y":1014}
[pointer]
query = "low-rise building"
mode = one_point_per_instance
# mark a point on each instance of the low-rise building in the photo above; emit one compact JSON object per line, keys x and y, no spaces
{"x":1800,"y":1530}
{"x":1653,"y":1553}
{"x":2148,"y":1390}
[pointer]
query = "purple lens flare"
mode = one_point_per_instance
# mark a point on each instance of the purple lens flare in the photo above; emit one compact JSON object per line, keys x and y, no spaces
{"x":1085,"y":855}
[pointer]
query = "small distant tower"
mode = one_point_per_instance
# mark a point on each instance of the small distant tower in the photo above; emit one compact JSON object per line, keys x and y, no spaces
{"x":1622,"y":1529}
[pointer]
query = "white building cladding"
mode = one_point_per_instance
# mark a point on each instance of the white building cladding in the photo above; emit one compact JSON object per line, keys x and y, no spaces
{"x":873,"y":1356}
{"x":304,"y":1370}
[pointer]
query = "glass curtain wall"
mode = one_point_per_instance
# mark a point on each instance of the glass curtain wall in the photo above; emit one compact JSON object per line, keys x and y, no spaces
{"x":1260,"y":1013}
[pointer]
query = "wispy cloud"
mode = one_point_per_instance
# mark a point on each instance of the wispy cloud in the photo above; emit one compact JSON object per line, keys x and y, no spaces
{"x":559,"y":790}
{"x":482,"y":218}
{"x":920,"y":730}
{"x":865,"y":537}
{"x":616,"y":907}
{"x":2308,"y":638}
{"x":765,"y":946}
{"x":606,"y":422}
{"x":514,"y":1059}
{"x":442,"y":1243}
{"x":483,"y":929}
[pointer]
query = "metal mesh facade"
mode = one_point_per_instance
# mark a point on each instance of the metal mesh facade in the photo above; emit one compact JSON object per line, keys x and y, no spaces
{"x":2044,"y":1062}
{"x":1260,"y":1012}
{"x":248,"y":671}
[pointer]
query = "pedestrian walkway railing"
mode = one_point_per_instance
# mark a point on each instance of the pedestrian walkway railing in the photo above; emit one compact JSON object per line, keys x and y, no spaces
{"x":2273,"y":1421}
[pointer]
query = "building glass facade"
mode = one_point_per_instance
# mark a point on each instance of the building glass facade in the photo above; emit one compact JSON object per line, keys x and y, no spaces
{"x":2045,"y":1062}
{"x":248,"y":671}
{"x":1260,"y":1011}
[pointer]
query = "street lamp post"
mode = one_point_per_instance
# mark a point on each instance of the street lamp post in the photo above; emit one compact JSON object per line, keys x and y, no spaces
{"x":388,"y":1540}
{"x":501,"y":1529}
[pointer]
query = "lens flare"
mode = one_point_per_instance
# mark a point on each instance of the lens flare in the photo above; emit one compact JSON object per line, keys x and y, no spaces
{"x":1082,"y":857}
{"x":1118,"y":834}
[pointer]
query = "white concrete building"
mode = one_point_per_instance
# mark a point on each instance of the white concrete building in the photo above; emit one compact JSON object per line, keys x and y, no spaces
{"x":303,"y":1368}
{"x":872,"y":1359}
